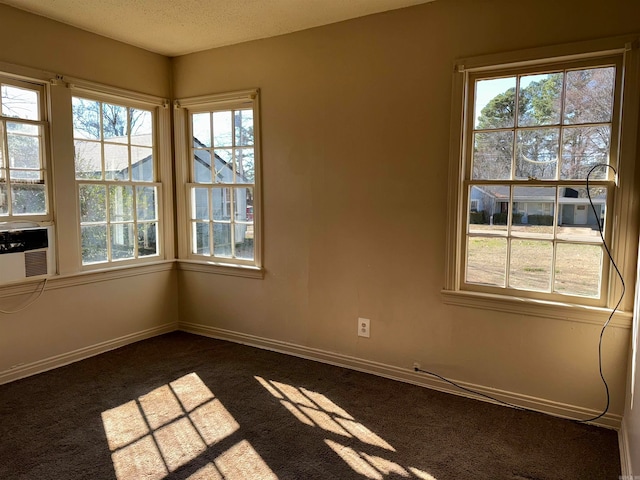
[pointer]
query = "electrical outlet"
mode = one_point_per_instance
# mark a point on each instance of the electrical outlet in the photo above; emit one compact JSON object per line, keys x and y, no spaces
{"x":363,"y":327}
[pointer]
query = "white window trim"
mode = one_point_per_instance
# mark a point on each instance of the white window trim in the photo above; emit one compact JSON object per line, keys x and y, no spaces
{"x":625,"y":225}
{"x":164,"y":174}
{"x":188,"y":261}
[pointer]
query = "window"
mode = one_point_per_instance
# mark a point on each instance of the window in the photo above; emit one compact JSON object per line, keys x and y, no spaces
{"x":222,"y":187}
{"x":23,"y":176}
{"x":116,"y":179}
{"x":531,"y":133}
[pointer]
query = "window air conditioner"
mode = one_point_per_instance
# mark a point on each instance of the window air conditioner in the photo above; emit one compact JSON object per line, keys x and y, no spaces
{"x":26,"y":253}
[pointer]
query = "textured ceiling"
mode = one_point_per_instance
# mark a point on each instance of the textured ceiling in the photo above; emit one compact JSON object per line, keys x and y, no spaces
{"x":177,"y":27}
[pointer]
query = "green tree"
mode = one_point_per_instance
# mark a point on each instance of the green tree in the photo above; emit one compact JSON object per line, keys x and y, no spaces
{"x":588,"y":100}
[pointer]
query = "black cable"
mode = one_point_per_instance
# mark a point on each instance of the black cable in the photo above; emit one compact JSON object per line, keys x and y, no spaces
{"x":604,"y":327}
{"x":624,"y":288}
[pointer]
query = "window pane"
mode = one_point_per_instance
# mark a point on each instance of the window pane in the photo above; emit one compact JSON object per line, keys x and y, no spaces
{"x":244,"y":241}
{"x":533,"y":211}
{"x":147,"y":234}
{"x":201,"y":125}
{"x":589,"y":96}
{"x":201,"y":166}
{"x":142,"y":164}
{"x":243,"y":200}
{"x":201,"y":238}
{"x":200,"y":202}
{"x":2,"y":161}
{"x":222,"y":239}
{"x":245,"y":165}
{"x":114,"y":123}
{"x":492,"y":154}
{"x":222,"y":131}
{"x":486,"y":261}
{"x":20,"y":103}
{"x":584,"y":147}
{"x":537,"y":153}
{"x":530,"y":265}
{"x":141,"y":127}
{"x":93,"y":203}
{"x":24,"y":151}
{"x":244,"y":127}
{"x":122,"y":241}
{"x":488,"y":208}
{"x":116,"y":162}
{"x":94,"y":243}
{"x":495,"y":103}
{"x":221,"y":203}
{"x":28,"y":199}
{"x":223,"y":164}
{"x":576,"y":219}
{"x":30,"y":175}
{"x":4,"y":204}
{"x":23,"y":128}
{"x":539,"y":99}
{"x":86,"y":118}
{"x":578,"y":269}
{"x":146,"y":203}
{"x":120,"y":203}
{"x":88,"y":159}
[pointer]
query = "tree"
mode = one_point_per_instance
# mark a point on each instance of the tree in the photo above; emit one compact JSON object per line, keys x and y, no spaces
{"x":588,"y":99}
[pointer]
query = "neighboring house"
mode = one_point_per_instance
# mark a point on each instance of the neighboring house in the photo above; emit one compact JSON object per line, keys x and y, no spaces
{"x":536,"y":201}
{"x":223,"y":172}
{"x":116,"y":167}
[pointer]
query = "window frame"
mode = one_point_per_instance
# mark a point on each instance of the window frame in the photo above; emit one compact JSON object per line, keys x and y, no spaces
{"x":622,"y":211}
{"x":161,"y":151}
{"x":183,"y":110}
{"x":44,"y":124}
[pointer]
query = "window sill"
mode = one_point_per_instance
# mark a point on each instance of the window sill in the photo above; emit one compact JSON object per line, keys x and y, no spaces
{"x":245,"y":271}
{"x":539,"y":308}
{"x":63,"y":281}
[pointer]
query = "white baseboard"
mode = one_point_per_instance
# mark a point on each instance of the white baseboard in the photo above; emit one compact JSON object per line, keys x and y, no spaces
{"x":406,"y":375}
{"x":625,"y":454}
{"x":50,"y":363}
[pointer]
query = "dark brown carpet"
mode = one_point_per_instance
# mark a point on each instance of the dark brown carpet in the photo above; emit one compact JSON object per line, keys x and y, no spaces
{"x":182,"y":406}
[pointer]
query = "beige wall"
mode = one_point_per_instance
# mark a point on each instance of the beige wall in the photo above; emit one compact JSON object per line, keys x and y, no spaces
{"x":355,"y":131}
{"x":68,"y":319}
{"x":355,"y":135}
{"x":40,"y":43}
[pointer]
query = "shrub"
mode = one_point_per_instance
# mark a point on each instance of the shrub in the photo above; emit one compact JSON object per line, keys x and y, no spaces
{"x":540,"y":220}
{"x":478,"y":218}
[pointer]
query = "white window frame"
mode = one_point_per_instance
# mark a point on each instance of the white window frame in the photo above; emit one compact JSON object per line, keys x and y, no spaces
{"x":183,"y":109}
{"x":43,"y":96}
{"x":162,"y":172}
{"x":622,"y":230}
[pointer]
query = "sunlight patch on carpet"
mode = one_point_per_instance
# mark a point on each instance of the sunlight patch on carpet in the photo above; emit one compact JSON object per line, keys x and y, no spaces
{"x":170,"y":427}
{"x":317,"y":410}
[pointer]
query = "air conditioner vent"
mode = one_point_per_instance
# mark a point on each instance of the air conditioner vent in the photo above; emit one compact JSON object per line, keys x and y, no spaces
{"x":35,"y":263}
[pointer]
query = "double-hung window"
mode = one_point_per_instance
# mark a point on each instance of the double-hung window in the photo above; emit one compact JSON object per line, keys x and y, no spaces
{"x":222,"y":211}
{"x":526,"y":225}
{"x":23,"y":152}
{"x":117,"y":180}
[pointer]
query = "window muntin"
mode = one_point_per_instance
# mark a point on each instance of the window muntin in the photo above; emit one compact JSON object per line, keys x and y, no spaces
{"x":23,"y":176}
{"x":222,"y":191}
{"x":116,"y":180}
{"x":532,"y":138}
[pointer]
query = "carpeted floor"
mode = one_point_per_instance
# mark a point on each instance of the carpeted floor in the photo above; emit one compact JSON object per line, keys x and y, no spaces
{"x":182,"y":406}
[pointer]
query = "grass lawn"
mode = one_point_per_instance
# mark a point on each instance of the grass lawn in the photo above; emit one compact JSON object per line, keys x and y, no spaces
{"x":577,"y":266}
